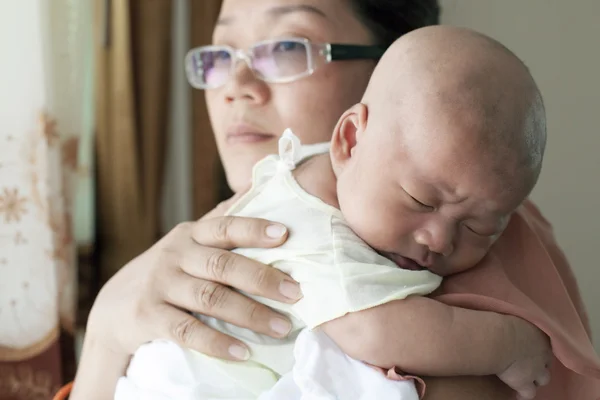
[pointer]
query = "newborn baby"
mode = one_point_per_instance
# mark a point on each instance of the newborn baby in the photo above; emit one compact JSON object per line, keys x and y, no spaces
{"x":418,"y":182}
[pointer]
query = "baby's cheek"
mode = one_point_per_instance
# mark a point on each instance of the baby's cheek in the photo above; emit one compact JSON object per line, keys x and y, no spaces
{"x":369,"y":215}
{"x":361,"y":221}
{"x":366,"y":225}
{"x":467,"y":258}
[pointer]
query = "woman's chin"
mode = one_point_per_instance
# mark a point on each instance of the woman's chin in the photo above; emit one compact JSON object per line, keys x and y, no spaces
{"x":239,"y":165}
{"x":239,"y":178}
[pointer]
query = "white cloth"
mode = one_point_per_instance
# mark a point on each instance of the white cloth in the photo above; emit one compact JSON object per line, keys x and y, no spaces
{"x":321,"y":372}
{"x":337,"y":271}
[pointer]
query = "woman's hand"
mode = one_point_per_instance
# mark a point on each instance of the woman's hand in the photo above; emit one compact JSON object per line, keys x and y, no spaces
{"x":191,"y":269}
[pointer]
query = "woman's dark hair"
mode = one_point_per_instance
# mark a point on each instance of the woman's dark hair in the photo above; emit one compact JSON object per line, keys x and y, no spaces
{"x":390,"y":19}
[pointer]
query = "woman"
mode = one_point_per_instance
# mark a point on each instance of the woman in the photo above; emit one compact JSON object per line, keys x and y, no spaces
{"x":191,"y":267}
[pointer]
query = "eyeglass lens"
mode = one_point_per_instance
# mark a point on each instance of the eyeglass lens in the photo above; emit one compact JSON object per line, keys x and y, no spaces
{"x":271,"y":61}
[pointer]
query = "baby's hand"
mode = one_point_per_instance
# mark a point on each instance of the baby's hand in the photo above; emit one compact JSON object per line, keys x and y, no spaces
{"x":531,"y":366}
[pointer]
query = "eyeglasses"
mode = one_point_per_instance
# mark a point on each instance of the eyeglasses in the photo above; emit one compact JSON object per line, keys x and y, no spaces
{"x":274,"y":61}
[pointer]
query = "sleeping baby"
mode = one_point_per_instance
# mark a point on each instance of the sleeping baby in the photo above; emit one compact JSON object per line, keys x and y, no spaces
{"x":417,"y":183}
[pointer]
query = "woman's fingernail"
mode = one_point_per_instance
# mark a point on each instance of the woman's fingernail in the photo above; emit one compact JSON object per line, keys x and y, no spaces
{"x":239,"y":352}
{"x":275,"y":231}
{"x":291,"y":290}
{"x":280,"y":326}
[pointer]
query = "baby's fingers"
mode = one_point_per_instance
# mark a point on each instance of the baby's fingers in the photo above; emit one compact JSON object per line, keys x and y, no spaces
{"x":527,"y":392}
{"x":543,"y":379}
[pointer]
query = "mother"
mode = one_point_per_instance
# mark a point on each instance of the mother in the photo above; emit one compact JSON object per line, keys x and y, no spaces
{"x":191,"y":267}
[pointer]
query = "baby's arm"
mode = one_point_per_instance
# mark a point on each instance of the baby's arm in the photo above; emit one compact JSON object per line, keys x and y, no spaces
{"x":425,"y":337}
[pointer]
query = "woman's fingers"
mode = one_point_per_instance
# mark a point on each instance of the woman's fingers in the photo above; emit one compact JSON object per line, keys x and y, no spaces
{"x":187,"y":331}
{"x":144,"y":301}
{"x":232,"y":232}
{"x":242,"y":273}
{"x":218,"y":301}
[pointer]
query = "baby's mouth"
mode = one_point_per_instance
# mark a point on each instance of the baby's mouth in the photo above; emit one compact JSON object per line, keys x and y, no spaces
{"x":404,"y":262}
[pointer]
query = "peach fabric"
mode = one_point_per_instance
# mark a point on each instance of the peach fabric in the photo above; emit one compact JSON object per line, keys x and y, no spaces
{"x":395,"y":374}
{"x":527,"y":275}
{"x":64,"y":392}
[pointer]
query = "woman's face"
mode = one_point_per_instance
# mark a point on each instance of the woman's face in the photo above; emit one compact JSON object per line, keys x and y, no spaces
{"x":248,"y":115}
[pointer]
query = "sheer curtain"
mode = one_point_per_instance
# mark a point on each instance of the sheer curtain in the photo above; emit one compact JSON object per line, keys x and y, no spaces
{"x":45,"y":150}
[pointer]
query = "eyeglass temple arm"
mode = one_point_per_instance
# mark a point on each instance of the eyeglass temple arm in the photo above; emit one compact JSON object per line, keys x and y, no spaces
{"x":355,"y":52}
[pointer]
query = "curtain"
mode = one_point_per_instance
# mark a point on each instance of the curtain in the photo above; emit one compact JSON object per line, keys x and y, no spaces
{"x":44,"y":155}
{"x":208,"y":180}
{"x":177,"y":189}
{"x":132,"y":94}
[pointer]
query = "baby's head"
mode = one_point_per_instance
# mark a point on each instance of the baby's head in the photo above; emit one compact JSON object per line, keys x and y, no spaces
{"x":446,"y":144}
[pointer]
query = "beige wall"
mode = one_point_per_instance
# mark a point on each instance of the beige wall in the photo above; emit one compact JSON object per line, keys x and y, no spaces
{"x":560,"y":41}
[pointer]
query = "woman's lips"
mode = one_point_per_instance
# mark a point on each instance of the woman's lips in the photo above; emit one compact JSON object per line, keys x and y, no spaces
{"x":249,"y":137}
{"x":246,"y":133}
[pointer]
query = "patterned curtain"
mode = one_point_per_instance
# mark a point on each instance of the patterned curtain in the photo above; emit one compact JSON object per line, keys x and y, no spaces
{"x":45,"y":179}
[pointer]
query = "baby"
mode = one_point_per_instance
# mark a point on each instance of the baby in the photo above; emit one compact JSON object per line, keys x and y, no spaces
{"x":418,"y":182}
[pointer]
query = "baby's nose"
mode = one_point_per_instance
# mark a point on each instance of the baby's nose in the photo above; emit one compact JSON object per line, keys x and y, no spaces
{"x":444,"y":249}
{"x":438,"y":241}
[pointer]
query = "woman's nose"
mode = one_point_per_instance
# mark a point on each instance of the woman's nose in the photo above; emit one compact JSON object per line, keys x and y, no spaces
{"x":438,"y":238}
{"x":245,"y":86}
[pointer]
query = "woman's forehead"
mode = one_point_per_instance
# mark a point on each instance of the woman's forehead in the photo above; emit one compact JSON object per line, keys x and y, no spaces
{"x":252,"y":20}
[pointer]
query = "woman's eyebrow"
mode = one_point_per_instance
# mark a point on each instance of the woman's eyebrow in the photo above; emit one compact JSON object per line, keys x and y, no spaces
{"x":283,"y":10}
{"x":280,"y":11}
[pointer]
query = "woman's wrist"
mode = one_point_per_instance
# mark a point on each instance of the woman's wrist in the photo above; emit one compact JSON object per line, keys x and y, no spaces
{"x":467,"y":388}
{"x":98,"y":371}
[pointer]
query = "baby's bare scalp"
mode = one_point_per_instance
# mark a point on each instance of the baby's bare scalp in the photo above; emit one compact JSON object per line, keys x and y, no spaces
{"x":468,"y":76}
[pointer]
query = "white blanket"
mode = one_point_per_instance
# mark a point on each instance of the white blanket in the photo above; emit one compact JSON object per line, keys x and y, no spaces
{"x":162,"y":370}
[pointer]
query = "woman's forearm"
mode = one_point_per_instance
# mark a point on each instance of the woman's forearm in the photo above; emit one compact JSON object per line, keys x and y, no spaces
{"x":98,"y":372}
{"x":467,"y":388}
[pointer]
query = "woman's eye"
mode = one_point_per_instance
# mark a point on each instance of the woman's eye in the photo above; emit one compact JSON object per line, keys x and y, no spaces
{"x":285,"y":46}
{"x":222,"y":55}
{"x":216,"y":57}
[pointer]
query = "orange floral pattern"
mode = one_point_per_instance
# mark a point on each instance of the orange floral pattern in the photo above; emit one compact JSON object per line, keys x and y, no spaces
{"x":70,"y":153}
{"x":47,"y":125}
{"x":12,"y":205}
{"x":39,"y":171}
{"x":38,"y":248}
{"x":37,"y":205}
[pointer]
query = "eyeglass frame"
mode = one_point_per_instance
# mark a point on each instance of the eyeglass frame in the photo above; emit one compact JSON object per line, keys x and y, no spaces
{"x":329,"y":51}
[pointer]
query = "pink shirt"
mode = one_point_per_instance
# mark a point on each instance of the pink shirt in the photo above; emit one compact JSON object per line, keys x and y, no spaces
{"x":527,"y":275}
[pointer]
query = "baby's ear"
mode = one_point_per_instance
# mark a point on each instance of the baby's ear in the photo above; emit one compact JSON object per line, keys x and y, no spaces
{"x":346,"y":135}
